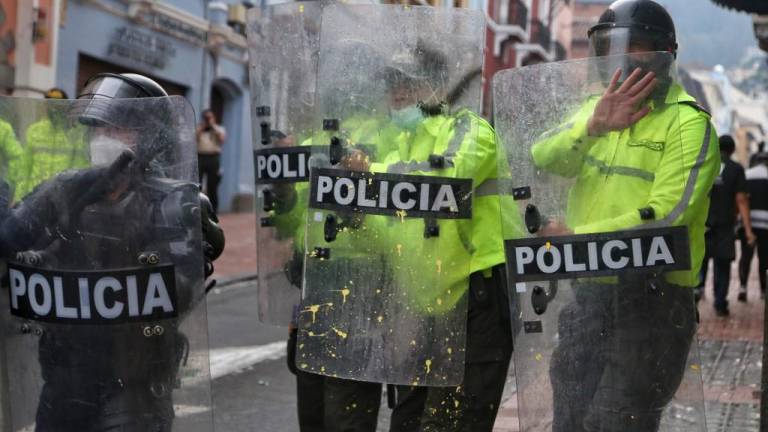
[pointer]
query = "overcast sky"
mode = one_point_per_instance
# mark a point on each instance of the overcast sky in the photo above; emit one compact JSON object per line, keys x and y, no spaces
{"x":709,"y":34}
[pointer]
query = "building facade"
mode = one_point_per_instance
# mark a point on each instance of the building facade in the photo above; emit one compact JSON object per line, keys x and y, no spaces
{"x":196,"y":49}
{"x":585,"y":15}
{"x":524,"y":32}
{"x":733,"y":112}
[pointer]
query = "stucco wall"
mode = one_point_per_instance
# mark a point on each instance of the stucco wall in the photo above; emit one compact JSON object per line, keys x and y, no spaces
{"x":89,"y":30}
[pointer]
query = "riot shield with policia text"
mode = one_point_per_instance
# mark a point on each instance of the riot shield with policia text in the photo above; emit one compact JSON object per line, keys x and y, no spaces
{"x":614,"y":207}
{"x":284,"y":42}
{"x":389,"y":238}
{"x":106,"y":323}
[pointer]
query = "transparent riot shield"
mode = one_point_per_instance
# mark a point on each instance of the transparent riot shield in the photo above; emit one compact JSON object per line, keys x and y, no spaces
{"x":105,"y":325}
{"x":284,"y":44}
{"x":614,"y":197}
{"x":389,"y":233}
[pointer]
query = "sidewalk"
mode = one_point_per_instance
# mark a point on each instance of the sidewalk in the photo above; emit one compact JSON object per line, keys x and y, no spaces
{"x":239,"y":257}
{"x":730,"y":349}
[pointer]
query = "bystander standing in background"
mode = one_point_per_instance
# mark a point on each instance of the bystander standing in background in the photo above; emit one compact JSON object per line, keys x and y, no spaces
{"x":757,"y":188}
{"x":729,"y":195}
{"x":210,"y":139}
{"x":748,"y":250}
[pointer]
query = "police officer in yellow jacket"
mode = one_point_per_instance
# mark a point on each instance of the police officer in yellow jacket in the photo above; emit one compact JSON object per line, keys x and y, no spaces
{"x":472,"y":406}
{"x":641,"y":155}
{"x":436,"y":248}
{"x":324,"y":403}
{"x":435,"y":142}
{"x":10,"y":154}
{"x":51,"y":145}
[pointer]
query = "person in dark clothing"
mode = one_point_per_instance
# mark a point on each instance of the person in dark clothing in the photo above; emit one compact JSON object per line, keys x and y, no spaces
{"x":728,"y":195}
{"x":210,"y":139}
{"x":757,"y":188}
{"x":747,"y":250}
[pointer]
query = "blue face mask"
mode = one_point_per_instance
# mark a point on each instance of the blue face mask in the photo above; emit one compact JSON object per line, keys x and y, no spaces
{"x":408,"y":117}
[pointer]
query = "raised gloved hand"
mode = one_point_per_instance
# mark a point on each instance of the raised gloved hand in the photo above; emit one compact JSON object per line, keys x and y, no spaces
{"x":355,"y":160}
{"x":91,"y":185}
{"x":622,"y":105}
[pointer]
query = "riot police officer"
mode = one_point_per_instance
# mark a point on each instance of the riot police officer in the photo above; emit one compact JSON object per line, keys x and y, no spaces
{"x":613,"y":165}
{"x":114,"y":362}
{"x":420,"y":100}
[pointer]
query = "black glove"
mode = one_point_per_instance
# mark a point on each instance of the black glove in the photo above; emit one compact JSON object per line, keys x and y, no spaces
{"x":291,"y":354}
{"x":213,"y":235}
{"x":285,"y":197}
{"x":91,"y":185}
{"x":294,"y":269}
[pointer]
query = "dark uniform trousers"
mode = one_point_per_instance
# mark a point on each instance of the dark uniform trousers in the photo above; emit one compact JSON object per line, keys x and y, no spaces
{"x":747,"y":252}
{"x":108,"y":390}
{"x":309,"y":392}
{"x":621,"y":356}
{"x":721,"y":248}
{"x":472,"y":406}
{"x":327,"y":404}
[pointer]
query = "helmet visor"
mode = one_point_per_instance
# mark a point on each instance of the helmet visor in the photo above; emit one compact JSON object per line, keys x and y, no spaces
{"x":99,"y":104}
{"x":108,"y":87}
{"x":103,"y":112}
{"x":622,"y":40}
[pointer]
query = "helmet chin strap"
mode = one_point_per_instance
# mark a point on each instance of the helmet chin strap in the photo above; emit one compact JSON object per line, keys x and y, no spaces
{"x":431,"y":109}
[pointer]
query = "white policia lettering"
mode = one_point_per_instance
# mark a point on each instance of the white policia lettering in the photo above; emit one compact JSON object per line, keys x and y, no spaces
{"x":402,"y":195}
{"x":279,"y":166}
{"x":46,"y":297}
{"x":550,"y":258}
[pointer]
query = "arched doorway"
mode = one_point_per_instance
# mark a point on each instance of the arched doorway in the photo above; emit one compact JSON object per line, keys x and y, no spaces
{"x":226,"y":101}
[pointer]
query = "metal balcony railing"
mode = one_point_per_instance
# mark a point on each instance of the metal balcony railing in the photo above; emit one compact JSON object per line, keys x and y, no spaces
{"x":560,"y":52}
{"x":516,"y":13}
{"x":540,"y":34}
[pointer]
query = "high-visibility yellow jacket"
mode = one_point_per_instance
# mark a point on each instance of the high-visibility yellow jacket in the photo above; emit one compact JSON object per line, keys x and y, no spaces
{"x":666,"y":162}
{"x":10,"y":155}
{"x":374,"y":135}
{"x":48,"y":151}
{"x":435,"y":271}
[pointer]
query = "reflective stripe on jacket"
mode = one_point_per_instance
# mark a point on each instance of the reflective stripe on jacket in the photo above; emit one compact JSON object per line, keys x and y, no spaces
{"x":667,"y":161}
{"x":436,"y":270}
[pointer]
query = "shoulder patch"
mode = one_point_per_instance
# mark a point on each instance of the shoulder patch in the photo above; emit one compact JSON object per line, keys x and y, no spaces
{"x":695,"y":105}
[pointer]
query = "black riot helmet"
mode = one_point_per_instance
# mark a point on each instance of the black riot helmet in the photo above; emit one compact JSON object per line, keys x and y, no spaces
{"x":420,"y":67}
{"x":636,"y":34}
{"x":633,"y":22}
{"x":101,"y":109}
{"x":109,"y":101}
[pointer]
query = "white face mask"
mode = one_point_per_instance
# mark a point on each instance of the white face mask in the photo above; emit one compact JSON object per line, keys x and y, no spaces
{"x":105,"y":150}
{"x":408,"y":117}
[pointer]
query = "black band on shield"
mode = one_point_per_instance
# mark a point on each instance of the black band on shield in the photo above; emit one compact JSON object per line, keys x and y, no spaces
{"x":602,"y":254}
{"x":283,"y":164}
{"x":93,"y":297}
{"x":391,"y":194}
